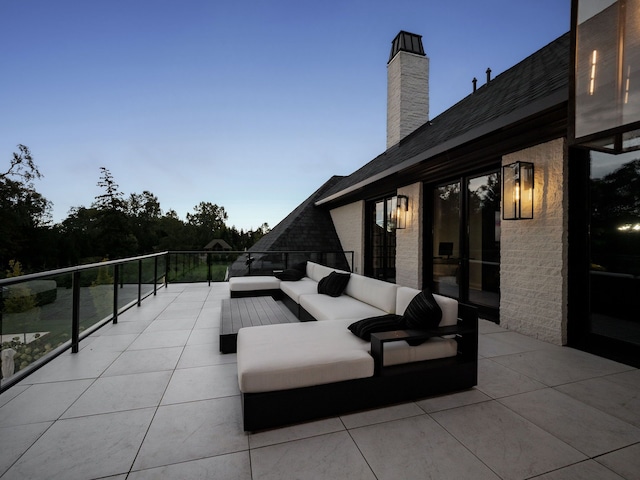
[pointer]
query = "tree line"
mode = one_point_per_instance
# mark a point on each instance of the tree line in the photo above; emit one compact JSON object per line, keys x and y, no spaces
{"x":113,"y":226}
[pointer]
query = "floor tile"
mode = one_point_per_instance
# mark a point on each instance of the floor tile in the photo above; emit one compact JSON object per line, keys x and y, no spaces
{"x":417,"y":448}
{"x":295,"y":432}
{"x":75,"y":366}
{"x":85,"y":448}
{"x":587,"y":470}
{"x":559,"y":366}
{"x":205,"y":336}
{"x":141,"y":361}
{"x":497,"y":381}
{"x":138,"y":390}
{"x":453,"y":400}
{"x":29,"y":407}
{"x":203,"y":355}
{"x":112,"y":343}
{"x":625,"y":462}
{"x":587,"y":429}
{"x":234,"y":466}
{"x":145,"y":340}
{"x":201,"y":383}
{"x":170,"y":325}
{"x":16,"y":440}
{"x":379,"y":415}
{"x":328,"y":457}
{"x":611,"y":396}
{"x":511,"y":446}
{"x":190,"y":431}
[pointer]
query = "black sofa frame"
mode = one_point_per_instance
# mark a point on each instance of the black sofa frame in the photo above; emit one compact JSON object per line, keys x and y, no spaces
{"x":388,"y":385}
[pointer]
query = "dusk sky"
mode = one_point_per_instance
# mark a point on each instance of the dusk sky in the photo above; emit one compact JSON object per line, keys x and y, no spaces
{"x":250,"y":105}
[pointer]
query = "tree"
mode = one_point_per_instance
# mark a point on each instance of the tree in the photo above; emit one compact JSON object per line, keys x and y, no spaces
{"x":23,"y":211}
{"x":207,"y":220}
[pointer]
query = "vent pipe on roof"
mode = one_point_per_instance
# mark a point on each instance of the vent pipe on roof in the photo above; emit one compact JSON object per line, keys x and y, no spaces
{"x":488,"y":75}
{"x":475,"y":84}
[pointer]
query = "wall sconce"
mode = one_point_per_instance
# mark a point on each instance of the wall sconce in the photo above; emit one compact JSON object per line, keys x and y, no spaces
{"x":402,"y":207}
{"x":517,"y":191}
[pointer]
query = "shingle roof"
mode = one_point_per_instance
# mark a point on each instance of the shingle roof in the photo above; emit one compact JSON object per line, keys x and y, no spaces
{"x":306,"y":228}
{"x":543,"y":75}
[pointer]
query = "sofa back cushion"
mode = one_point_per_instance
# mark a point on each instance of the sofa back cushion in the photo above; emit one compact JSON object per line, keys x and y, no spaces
{"x":317,"y":272}
{"x":449,"y":306}
{"x":377,"y":293}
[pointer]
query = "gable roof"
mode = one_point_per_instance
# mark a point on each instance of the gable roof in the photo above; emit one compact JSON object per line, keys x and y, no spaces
{"x":306,"y":228}
{"x":537,"y":83}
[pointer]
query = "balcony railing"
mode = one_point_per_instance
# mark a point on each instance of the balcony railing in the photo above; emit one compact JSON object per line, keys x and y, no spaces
{"x":44,"y":314}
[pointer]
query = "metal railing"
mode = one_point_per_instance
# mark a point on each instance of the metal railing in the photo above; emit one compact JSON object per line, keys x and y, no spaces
{"x":45,"y":314}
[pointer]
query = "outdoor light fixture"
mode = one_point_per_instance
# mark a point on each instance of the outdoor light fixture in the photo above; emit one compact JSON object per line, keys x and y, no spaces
{"x":605,"y":87}
{"x":517,"y":191}
{"x":402,"y":207}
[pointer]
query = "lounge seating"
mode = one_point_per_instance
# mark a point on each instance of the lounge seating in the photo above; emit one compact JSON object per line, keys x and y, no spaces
{"x":289,"y":373}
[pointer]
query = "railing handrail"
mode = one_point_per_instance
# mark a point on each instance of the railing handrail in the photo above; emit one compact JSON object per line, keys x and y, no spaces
{"x":76,"y":268}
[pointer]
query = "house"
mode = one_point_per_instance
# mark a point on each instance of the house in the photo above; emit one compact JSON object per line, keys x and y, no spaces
{"x":218,"y":245}
{"x":431,"y":211}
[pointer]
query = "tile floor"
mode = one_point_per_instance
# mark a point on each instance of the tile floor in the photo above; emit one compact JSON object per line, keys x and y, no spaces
{"x":151,"y":398}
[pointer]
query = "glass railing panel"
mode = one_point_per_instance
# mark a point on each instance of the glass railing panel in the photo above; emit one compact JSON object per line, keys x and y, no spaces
{"x":127,"y":284}
{"x":35,"y":322}
{"x":148,"y":267}
{"x":96,"y":296}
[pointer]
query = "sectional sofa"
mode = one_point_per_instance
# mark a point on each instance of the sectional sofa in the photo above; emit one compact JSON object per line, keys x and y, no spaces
{"x":294,"y":372}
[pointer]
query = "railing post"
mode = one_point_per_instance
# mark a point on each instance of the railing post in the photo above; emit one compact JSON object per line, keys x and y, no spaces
{"x":116,"y":277}
{"x":155,"y":274}
{"x":75,"y":313}
{"x":139,"y":282}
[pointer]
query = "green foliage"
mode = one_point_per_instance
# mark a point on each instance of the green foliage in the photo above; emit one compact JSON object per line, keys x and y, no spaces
{"x":20,"y":298}
{"x":113,"y":226}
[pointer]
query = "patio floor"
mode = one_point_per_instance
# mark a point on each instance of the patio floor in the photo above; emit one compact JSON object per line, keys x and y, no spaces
{"x":152,"y":398}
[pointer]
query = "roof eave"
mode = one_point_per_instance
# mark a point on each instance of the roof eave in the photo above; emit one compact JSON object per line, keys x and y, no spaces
{"x":552,"y":100}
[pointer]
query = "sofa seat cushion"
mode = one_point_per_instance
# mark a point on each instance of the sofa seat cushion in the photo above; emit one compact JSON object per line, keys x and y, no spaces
{"x":397,"y":353}
{"x":245,"y":284}
{"x":324,"y":307}
{"x":304,"y":286}
{"x":293,"y":355}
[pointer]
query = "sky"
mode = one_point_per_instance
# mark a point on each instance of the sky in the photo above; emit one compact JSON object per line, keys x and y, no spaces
{"x":249,"y":105}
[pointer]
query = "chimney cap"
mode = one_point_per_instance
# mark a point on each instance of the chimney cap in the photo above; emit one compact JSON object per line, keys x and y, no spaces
{"x":406,"y":42}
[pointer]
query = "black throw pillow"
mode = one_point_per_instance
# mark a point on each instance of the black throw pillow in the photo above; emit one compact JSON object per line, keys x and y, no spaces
{"x":302,"y":267}
{"x":333,"y":284}
{"x":290,"y":275}
{"x":423,"y":312}
{"x":384,"y":323}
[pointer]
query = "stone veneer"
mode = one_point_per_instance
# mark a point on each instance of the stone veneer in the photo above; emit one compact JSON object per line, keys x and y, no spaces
{"x":349,"y":223}
{"x":409,"y":240}
{"x":534,"y":253}
{"x":407,"y":95}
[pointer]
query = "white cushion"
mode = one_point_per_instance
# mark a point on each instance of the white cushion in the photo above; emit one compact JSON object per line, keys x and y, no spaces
{"x":301,"y":287}
{"x":396,"y":353}
{"x":404,"y":295}
{"x":292,"y":355}
{"x":243,"y":284}
{"x":375,"y":292}
{"x":324,"y":307}
{"x":318,"y":272}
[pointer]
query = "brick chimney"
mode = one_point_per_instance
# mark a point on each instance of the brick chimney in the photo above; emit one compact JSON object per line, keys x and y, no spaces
{"x":407,"y":87}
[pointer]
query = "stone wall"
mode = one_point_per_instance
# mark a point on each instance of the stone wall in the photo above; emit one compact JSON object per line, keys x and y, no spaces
{"x":409,"y":240}
{"x":534,"y":253}
{"x":349,"y":223}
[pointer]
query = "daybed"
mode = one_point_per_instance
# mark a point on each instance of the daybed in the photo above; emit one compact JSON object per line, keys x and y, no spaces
{"x":295,"y":372}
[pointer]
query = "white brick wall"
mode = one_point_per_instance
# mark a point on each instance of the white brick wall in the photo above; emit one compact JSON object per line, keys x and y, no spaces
{"x":409,"y":240}
{"x":349,"y":223}
{"x":534,"y":253}
{"x":407,"y":95}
